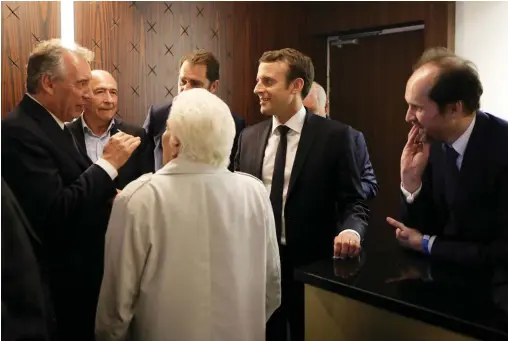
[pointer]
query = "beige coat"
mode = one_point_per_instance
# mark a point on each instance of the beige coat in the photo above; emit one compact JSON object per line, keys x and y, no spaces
{"x":191,"y":255}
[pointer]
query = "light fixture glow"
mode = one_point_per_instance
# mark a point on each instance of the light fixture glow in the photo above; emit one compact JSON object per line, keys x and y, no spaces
{"x":67,"y":22}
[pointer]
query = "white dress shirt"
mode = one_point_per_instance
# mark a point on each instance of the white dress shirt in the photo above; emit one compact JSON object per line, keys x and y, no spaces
{"x":459,"y":146}
{"x":191,"y":255}
{"x":95,"y":144}
{"x":295,"y":125}
{"x":108,"y":167}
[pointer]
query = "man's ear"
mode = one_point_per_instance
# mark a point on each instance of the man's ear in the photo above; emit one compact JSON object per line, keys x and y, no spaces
{"x":214,"y":86}
{"x":298,"y":85}
{"x":47,"y":84}
{"x":454,"y":108}
{"x":175,"y":145}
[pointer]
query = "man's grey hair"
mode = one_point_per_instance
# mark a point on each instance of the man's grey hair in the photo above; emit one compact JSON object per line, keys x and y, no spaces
{"x":204,"y":125}
{"x":47,"y":58}
{"x":320,"y":94}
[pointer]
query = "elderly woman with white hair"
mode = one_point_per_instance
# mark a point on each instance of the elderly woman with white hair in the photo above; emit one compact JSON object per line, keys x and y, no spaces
{"x":191,"y":251}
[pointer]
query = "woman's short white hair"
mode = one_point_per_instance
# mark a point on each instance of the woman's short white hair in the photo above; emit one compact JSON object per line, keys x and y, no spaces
{"x":204,"y":125}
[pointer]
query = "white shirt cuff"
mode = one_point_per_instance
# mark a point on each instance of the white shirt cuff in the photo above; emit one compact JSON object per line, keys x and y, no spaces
{"x":431,"y":241}
{"x":108,"y":168}
{"x":350,"y":230}
{"x":410,"y":197}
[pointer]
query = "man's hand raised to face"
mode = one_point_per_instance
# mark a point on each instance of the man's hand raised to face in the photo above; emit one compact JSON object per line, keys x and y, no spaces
{"x":413,"y":160}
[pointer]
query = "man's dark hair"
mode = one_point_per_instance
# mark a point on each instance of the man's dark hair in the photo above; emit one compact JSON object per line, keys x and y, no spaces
{"x":457,"y":81}
{"x":205,"y":58}
{"x":300,"y":66}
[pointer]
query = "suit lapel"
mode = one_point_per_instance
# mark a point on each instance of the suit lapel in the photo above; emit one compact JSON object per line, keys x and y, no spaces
{"x":307,"y":137}
{"x":116,"y":127}
{"x":48,"y":125}
{"x":472,"y":162}
{"x":262,"y":136}
{"x":77,"y":128}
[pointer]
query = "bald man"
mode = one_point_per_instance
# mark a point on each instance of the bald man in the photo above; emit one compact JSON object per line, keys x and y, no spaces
{"x":100,"y":121}
{"x":317,"y":102}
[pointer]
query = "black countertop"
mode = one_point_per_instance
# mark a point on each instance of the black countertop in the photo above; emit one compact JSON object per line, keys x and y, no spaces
{"x":470,"y":301}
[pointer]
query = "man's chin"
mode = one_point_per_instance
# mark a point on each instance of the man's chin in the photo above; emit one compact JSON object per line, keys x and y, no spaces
{"x":266,"y":111}
{"x":75,"y":115}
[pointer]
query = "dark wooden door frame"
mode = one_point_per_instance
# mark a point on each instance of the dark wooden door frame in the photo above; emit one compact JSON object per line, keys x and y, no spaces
{"x":354,"y":36}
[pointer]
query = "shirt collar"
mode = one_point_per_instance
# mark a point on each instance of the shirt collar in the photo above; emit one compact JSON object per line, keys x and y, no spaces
{"x":461,"y":143}
{"x":295,"y":123}
{"x":57,"y":120}
{"x":87,"y":129}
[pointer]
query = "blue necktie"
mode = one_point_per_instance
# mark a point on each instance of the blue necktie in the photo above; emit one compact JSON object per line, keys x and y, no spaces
{"x":451,"y":174}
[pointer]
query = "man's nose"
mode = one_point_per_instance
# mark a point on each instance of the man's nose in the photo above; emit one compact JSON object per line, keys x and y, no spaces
{"x":87,"y":95}
{"x":409,"y":116}
{"x":109,"y":98}
{"x":258,"y":89}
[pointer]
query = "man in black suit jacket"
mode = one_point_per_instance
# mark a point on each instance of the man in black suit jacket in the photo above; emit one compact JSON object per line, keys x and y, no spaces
{"x":67,"y":201}
{"x":454,"y":167}
{"x":317,"y":102}
{"x":26,"y":306}
{"x":98,"y":122}
{"x":197,"y":70}
{"x":307,"y":164}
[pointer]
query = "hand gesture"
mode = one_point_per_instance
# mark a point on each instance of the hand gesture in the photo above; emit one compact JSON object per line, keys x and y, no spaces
{"x":119,"y":148}
{"x":413,"y":161}
{"x":407,"y":236}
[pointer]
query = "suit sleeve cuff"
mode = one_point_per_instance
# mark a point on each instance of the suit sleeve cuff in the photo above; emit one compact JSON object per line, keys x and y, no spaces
{"x":350,"y":230}
{"x":410,"y":197}
{"x":108,"y":168}
{"x":431,"y":242}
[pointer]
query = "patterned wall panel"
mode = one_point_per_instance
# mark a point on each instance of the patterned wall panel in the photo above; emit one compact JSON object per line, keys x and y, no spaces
{"x":23,"y":25}
{"x":141,"y":43}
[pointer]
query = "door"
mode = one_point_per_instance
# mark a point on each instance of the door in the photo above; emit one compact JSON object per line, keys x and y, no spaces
{"x":367,"y":85}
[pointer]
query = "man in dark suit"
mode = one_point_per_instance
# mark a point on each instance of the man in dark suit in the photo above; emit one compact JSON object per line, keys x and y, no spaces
{"x":197,"y":70}
{"x":317,"y":102}
{"x":454,"y":167}
{"x":67,"y":201}
{"x":99,"y":122}
{"x":26,"y":306}
{"x":307,"y":165}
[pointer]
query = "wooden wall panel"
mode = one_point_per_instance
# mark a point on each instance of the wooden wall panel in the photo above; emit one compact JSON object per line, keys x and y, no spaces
{"x":141,"y":43}
{"x":327,"y":18}
{"x":23,"y":25}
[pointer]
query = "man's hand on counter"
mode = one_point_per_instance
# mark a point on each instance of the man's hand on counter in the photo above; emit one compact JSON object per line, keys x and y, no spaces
{"x":407,"y":237}
{"x":346,"y":244}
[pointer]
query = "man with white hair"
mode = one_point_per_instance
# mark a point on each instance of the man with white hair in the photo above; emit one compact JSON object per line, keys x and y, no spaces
{"x":191,"y":251}
{"x":317,"y":102}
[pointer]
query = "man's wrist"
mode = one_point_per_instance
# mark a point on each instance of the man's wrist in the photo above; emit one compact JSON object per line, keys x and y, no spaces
{"x":410,"y":197}
{"x":351,"y":231}
{"x":411,"y":186}
{"x":425,"y":244}
{"x":107,"y":167}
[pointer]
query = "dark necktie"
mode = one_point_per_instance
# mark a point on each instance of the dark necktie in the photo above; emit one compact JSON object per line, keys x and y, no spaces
{"x":451,"y":174}
{"x":278,"y":179}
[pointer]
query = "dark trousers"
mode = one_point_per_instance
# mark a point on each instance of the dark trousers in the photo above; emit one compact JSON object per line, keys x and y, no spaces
{"x":291,"y":309}
{"x":75,"y":308}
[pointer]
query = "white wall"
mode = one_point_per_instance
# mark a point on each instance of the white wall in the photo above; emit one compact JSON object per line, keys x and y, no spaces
{"x":481,"y":35}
